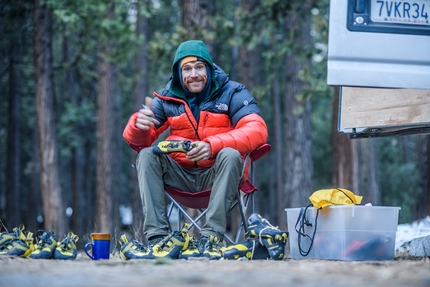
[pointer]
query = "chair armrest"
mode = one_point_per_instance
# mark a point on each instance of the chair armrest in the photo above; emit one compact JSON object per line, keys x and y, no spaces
{"x":260,"y":151}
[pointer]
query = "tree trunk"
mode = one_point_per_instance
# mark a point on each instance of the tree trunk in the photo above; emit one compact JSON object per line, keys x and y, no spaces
{"x":297,"y":143}
{"x":79,"y":196}
{"x":140,"y":91}
{"x":13,"y":170}
{"x":249,"y":73}
{"x":106,"y":151}
{"x":277,"y":155}
{"x":35,"y":193}
{"x":342,"y":175}
{"x":368,"y":177}
{"x":422,"y":154}
{"x":54,"y":214}
{"x":194,"y":20}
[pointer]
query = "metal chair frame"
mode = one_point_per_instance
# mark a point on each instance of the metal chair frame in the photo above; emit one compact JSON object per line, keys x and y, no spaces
{"x":200,"y":200}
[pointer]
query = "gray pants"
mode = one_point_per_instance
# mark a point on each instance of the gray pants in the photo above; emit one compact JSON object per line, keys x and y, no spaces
{"x":157,"y":171}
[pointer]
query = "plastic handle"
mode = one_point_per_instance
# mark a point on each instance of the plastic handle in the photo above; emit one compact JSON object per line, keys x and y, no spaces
{"x":86,"y":251}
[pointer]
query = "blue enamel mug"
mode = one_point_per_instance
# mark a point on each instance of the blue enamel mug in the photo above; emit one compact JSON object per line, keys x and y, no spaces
{"x":99,"y":247}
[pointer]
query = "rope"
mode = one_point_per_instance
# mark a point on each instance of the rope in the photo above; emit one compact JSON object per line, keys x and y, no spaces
{"x":302,"y":220}
{"x":267,"y":227}
{"x":253,"y":248}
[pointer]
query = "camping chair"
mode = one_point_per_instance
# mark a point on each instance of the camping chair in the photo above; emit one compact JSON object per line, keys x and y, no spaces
{"x":200,"y":200}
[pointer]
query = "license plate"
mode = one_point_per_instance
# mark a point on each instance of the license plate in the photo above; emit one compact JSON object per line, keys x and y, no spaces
{"x":414,"y":12}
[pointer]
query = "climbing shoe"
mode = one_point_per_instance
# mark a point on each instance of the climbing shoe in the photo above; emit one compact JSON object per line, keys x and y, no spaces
{"x":276,"y":248}
{"x":261,"y":227}
{"x":170,"y":246}
{"x":66,"y":249}
{"x":252,"y":249}
{"x":166,"y":147}
{"x":268,"y":235}
{"x":202,"y":243}
{"x":212,"y":249}
{"x":45,"y":246}
{"x":17,"y":233}
{"x":19,"y":246}
{"x":191,"y":251}
{"x":132,"y":249}
{"x":155,"y":240}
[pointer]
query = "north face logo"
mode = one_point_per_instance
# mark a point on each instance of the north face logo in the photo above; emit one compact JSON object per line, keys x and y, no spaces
{"x":222,"y":107}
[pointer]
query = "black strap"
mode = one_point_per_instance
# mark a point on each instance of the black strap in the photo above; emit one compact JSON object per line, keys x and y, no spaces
{"x":302,"y":221}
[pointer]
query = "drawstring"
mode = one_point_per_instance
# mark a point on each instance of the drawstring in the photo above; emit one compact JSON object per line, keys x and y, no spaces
{"x":302,"y":221}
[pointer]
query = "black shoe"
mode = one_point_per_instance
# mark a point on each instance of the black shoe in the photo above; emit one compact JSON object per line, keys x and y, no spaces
{"x":18,"y":233}
{"x":46,"y":245}
{"x":18,"y":246}
{"x":66,"y":249}
{"x":170,"y":246}
{"x":261,"y":227}
{"x":252,"y":250}
{"x":268,"y":235}
{"x":276,"y":249}
{"x":191,"y":251}
{"x":132,"y":249}
{"x":212,"y":249}
{"x":202,"y":243}
{"x":155,"y":240}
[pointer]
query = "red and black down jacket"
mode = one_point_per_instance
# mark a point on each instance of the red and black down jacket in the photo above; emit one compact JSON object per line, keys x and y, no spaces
{"x":228,"y":118}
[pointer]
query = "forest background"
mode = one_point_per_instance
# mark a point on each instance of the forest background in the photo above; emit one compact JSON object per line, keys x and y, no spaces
{"x":73,"y":71}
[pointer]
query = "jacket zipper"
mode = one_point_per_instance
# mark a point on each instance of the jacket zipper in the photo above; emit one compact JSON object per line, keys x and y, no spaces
{"x":196,"y":131}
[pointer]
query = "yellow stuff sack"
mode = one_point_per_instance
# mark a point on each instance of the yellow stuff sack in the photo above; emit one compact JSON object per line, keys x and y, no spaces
{"x":337,"y":196}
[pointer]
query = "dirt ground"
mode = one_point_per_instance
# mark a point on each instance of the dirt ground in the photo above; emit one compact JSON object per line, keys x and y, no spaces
{"x":402,"y":271}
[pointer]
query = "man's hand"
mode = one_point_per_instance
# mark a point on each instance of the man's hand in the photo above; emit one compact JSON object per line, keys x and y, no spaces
{"x":145,"y":118}
{"x":201,"y":151}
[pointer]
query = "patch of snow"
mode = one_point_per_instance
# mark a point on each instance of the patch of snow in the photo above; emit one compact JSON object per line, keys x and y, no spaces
{"x":406,"y":232}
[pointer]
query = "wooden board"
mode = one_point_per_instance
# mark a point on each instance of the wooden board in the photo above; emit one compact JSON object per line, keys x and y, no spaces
{"x":370,"y":107}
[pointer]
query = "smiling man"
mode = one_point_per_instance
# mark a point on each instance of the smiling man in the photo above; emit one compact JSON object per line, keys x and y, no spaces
{"x":222,"y":120}
{"x":194,"y":74}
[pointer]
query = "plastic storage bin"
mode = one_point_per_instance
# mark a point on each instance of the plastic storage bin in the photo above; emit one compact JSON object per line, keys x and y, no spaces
{"x":346,"y":232}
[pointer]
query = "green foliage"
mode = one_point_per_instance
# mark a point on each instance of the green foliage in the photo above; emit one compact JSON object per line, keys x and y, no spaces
{"x":74,"y":119}
{"x":398,"y":178}
{"x":321,"y":142}
{"x":98,"y":24}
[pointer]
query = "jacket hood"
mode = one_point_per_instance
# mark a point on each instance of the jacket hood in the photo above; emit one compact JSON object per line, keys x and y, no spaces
{"x":191,"y":48}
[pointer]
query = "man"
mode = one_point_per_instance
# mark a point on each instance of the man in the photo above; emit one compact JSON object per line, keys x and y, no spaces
{"x":223,"y":122}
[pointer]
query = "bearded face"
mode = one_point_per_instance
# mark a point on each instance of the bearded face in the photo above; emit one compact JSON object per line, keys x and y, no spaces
{"x":194,"y":76}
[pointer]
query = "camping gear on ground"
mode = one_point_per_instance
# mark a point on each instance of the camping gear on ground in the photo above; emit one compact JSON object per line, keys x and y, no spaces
{"x":341,"y":230}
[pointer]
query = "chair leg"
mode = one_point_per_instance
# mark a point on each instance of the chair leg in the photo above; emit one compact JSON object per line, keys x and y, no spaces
{"x":169,"y":212}
{"x":182,"y":211}
{"x":243,"y":205}
{"x":227,"y":238}
{"x":179,"y":219}
{"x":243,"y":224}
{"x":242,"y":215}
{"x":252,"y":181}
